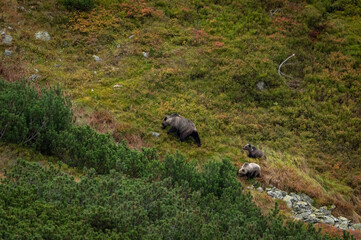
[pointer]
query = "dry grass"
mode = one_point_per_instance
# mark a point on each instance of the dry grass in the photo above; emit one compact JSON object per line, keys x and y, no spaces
{"x":104,"y":122}
{"x":291,"y":179}
{"x":12,"y":68}
{"x":336,"y":232}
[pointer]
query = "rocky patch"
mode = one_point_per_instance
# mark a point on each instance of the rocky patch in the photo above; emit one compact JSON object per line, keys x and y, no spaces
{"x":302,"y":209}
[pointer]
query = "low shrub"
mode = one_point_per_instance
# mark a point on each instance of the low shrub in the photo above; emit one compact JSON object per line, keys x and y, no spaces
{"x":80,"y":5}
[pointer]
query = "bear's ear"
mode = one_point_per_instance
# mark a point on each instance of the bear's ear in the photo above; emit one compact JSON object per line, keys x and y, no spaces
{"x":245,"y":164}
{"x":165,"y":119}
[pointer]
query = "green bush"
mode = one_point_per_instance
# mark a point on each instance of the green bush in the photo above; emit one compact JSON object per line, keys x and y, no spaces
{"x":45,"y":203}
{"x":27,"y":116}
{"x":81,"y":5}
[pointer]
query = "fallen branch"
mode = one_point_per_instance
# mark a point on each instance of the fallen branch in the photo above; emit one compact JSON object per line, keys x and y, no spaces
{"x":272,"y":12}
{"x":279,"y":68}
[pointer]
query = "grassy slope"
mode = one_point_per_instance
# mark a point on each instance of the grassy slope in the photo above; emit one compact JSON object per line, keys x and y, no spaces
{"x":205,"y":60}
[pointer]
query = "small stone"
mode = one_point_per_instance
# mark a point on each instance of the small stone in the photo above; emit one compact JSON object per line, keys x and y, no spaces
{"x":343,"y":225}
{"x":306,"y":198}
{"x":66,"y":43}
{"x":57,"y":65}
{"x":250,"y":187}
{"x":324,"y":210}
{"x":22,"y":8}
{"x":43,"y":36}
{"x":275,"y":194}
{"x":10,"y":28}
{"x":92,"y":90}
{"x":7,"y":53}
{"x":311,"y":218}
{"x":343,"y":219}
{"x":118,"y":46}
{"x":260,"y":85}
{"x":95,"y":72}
{"x":260,"y":189}
{"x":117,"y":86}
{"x":131,"y":36}
{"x":7,"y":40}
{"x":97,"y":59}
{"x":327,"y":220}
{"x":145,"y":54}
{"x":357,"y":226}
{"x":288,"y":200}
{"x":34,"y":77}
{"x":155,"y":134}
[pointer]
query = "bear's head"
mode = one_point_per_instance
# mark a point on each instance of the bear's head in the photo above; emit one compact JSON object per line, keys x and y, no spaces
{"x":244,"y":169}
{"x":248,"y":147}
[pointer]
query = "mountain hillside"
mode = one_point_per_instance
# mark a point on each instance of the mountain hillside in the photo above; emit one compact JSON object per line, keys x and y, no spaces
{"x":126,"y":64}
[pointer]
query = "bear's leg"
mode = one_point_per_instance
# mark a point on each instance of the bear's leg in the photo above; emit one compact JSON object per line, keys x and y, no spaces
{"x":183,"y":136}
{"x":172,"y":129}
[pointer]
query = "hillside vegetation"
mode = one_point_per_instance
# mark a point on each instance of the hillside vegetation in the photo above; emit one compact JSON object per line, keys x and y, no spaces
{"x":204,"y":60}
{"x":121,"y":193}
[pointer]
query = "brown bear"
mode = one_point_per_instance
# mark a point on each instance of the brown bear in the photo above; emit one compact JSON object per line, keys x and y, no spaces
{"x":250,"y":170}
{"x":182,"y":126}
{"x":253,"y":152}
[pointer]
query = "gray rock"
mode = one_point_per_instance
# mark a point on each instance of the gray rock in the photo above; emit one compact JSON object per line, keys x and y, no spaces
{"x":7,"y":40}
{"x":34,"y":77}
{"x":288,"y":200}
{"x":7,"y":53}
{"x":260,"y":85}
{"x":324,"y":210}
{"x":295,"y":197}
{"x":145,"y":54}
{"x":57,"y":65}
{"x":97,"y":59}
{"x":342,"y":225}
{"x":43,"y":36}
{"x":155,"y":134}
{"x":66,"y":44}
{"x":311,"y":218}
{"x":301,"y":206}
{"x":357,"y":226}
{"x":327,"y":220}
{"x":343,"y":219}
{"x":260,"y":189}
{"x":118,"y":46}
{"x":131,"y":36}
{"x":250,"y":187}
{"x":306,"y":198}
{"x":117,"y":86}
{"x":275,"y":194}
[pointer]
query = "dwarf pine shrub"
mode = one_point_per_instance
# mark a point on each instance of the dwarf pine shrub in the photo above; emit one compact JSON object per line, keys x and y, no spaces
{"x":80,"y":5}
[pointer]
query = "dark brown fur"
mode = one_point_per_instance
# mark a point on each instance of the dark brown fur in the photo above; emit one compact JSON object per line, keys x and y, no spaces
{"x":253,"y":152}
{"x":182,"y":126}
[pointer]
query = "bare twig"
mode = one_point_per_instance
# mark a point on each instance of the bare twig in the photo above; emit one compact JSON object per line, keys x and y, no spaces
{"x":272,"y":12}
{"x":3,"y":130}
{"x":279,"y":68}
